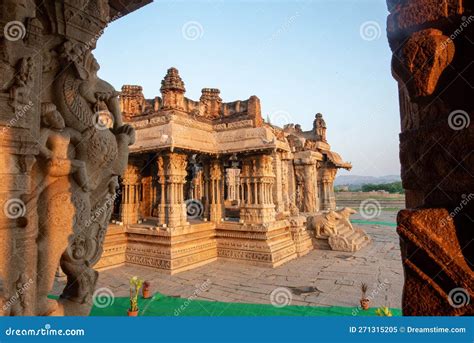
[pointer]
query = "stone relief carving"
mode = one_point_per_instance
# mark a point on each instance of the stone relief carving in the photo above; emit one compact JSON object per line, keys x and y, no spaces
{"x":100,"y":156}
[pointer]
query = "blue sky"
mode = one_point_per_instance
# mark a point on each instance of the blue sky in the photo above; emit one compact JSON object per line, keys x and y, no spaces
{"x":298,"y":57}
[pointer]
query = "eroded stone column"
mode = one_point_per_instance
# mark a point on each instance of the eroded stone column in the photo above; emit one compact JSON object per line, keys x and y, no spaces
{"x":175,"y":175}
{"x":306,"y":181}
{"x":278,"y":170}
{"x":62,"y":162}
{"x":328,"y":200}
{"x":216,"y":191}
{"x":257,"y":174}
{"x":130,"y":196}
{"x":432,"y":62}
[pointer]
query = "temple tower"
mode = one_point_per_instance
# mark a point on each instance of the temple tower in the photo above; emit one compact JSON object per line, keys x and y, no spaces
{"x":172,"y":90}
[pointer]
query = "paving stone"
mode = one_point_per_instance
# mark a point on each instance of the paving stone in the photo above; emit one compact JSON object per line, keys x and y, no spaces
{"x":335,"y":275}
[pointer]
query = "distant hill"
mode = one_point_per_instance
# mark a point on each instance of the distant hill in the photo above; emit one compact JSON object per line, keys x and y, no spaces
{"x":357,"y":180}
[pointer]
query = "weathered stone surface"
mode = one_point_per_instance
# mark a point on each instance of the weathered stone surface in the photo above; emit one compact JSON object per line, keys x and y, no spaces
{"x":59,"y":159}
{"x":432,"y":61}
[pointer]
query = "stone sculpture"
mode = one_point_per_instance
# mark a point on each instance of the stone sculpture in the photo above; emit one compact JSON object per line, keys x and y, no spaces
{"x":324,"y":225}
{"x":59,"y":159}
{"x":336,"y":227}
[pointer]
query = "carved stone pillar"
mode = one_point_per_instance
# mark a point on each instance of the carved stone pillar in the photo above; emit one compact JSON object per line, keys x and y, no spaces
{"x":278,"y":184}
{"x":432,"y":62}
{"x":147,"y":197}
{"x":59,"y":163}
{"x":286,"y":164}
{"x":161,"y":207}
{"x":175,"y":176}
{"x":328,"y":198}
{"x":306,"y":178}
{"x":130,"y":196}
{"x":258,"y":177}
{"x":216,"y":191}
{"x":207,"y":193}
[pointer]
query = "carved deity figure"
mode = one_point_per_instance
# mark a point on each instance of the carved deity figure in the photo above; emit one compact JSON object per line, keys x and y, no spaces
{"x":55,"y":142}
{"x":22,"y":83}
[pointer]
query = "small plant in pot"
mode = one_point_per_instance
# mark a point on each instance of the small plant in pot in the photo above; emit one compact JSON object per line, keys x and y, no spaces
{"x":146,"y":291}
{"x":135,"y":285}
{"x":364,"y":301}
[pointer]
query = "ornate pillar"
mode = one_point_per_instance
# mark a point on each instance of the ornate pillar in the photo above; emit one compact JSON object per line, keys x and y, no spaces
{"x":59,"y":163}
{"x":328,"y":201}
{"x":216,"y":191}
{"x":285,"y":182}
{"x":130,"y":197}
{"x":278,"y":184}
{"x":258,"y":177}
{"x":175,"y":177}
{"x":307,"y":180}
{"x":147,"y":197}
{"x":207,"y":191}
{"x":162,"y":190}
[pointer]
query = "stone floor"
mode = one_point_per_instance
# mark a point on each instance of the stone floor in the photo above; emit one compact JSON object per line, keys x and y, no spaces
{"x":321,"y":278}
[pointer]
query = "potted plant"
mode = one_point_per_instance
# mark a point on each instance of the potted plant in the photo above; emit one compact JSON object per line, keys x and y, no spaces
{"x":146,"y":291}
{"x":135,"y":285}
{"x":364,"y":301}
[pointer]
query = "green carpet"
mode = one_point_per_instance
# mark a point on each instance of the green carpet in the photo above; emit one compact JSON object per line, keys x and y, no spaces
{"x":368,"y":222}
{"x":161,"y":305}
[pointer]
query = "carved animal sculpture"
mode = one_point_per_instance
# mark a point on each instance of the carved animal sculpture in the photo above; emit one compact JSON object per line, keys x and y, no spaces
{"x":324,"y":224}
{"x":345,"y":213}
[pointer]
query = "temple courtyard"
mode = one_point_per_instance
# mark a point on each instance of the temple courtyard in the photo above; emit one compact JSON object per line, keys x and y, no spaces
{"x":320,"y":278}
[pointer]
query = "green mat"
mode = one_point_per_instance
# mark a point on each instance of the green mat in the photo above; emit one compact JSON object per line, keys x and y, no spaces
{"x":161,"y":305}
{"x":368,"y":222}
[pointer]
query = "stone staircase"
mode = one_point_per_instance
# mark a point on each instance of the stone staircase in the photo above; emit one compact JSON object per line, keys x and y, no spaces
{"x":348,"y":238}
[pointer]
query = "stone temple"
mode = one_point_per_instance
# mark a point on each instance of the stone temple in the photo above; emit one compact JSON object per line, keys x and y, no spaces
{"x":208,"y":179}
